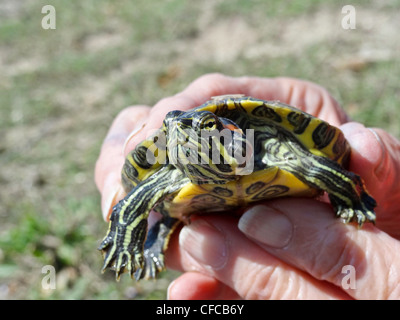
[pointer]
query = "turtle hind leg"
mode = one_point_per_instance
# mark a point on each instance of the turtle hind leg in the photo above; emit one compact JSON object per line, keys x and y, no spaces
{"x":156,"y":243}
{"x":346,"y":189}
{"x":361,"y":208}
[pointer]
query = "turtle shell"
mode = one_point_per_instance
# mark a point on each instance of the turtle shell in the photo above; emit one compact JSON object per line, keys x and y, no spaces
{"x":313,"y":134}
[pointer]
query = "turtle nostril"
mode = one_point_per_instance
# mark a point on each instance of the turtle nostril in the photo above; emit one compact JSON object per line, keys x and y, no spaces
{"x":182,"y":139}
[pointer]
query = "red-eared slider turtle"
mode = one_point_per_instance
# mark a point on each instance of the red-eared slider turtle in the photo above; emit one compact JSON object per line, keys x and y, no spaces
{"x":225,"y":154}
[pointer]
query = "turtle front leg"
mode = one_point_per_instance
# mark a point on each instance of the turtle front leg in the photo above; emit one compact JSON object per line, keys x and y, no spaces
{"x":122,"y":247}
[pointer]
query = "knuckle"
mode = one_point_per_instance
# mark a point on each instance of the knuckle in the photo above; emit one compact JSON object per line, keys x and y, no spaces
{"x":328,"y":265}
{"x":269,"y":283}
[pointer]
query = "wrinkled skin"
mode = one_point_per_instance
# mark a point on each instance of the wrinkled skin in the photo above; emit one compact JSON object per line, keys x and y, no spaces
{"x":285,"y":248}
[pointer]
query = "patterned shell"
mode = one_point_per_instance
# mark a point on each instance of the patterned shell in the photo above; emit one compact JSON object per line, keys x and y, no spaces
{"x":280,"y":121}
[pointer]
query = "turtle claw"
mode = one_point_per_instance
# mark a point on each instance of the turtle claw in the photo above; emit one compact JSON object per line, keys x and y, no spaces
{"x":125,"y":260}
{"x":360,"y":216}
{"x":119,"y":260}
{"x":359,"y":210}
{"x":106,"y":251}
{"x":122,"y":262}
{"x":152,"y":266}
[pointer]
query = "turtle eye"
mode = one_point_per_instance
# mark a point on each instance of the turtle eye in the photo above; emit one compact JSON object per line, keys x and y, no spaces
{"x":210,"y":124}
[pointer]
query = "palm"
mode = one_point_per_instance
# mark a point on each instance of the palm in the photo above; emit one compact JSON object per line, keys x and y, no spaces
{"x":375,"y":157}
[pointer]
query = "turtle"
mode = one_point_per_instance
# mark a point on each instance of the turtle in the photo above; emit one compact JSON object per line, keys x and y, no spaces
{"x":222,"y":156}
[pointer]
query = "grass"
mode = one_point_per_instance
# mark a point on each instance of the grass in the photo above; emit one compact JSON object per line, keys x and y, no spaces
{"x":60,"y":89}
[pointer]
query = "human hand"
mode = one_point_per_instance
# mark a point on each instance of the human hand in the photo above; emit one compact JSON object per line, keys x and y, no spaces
{"x":311,"y":243}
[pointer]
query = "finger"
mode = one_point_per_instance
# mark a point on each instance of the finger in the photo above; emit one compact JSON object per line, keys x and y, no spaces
{"x":303,"y":94}
{"x":306,"y":95}
{"x":212,"y":245}
{"x":198,"y":286}
{"x":376,"y":158}
{"x":304,"y":233}
{"x":111,"y":158}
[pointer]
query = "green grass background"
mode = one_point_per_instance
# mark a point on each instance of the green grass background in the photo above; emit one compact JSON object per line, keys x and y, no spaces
{"x":60,"y":89}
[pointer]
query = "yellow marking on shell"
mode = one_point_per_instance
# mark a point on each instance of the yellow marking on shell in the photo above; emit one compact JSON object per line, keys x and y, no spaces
{"x":179,"y":206}
{"x":159,"y":154}
{"x":276,"y":176}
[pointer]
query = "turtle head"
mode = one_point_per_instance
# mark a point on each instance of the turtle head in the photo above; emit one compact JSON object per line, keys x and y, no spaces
{"x":207,"y":148}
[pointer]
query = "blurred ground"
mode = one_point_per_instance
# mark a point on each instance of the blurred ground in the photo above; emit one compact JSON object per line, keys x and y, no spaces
{"x":60,"y":90}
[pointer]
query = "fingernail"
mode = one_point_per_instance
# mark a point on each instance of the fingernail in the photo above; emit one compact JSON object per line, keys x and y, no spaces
{"x":170,"y":289}
{"x":364,"y":140}
{"x":111,"y":199}
{"x":139,"y":126}
{"x":368,"y":145}
{"x":204,"y":243}
{"x":382,"y":166}
{"x":267,"y":226}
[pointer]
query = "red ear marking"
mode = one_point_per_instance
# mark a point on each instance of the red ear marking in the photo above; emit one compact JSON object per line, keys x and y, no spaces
{"x":230,"y":127}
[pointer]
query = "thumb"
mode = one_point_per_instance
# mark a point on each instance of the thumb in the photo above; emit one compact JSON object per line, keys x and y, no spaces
{"x":375,"y":157}
{"x":313,"y":241}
